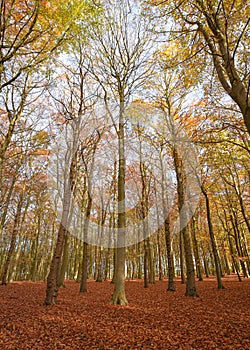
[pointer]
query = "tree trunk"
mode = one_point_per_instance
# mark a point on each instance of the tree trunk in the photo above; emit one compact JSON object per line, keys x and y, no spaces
{"x":64,"y":261}
{"x":114,"y":269}
{"x":183,"y":280}
{"x":238,"y":245}
{"x":85,"y":257}
{"x":6,"y":200}
{"x":139,"y":274}
{"x":213,"y":242}
{"x":181,"y":190}
{"x":85,"y":262}
{"x":145,"y":265}
{"x":107,"y":265}
{"x":196,"y":250}
{"x":224,"y":62}
{"x":235,"y":264}
{"x":54,"y":273}
{"x":99,"y":265}
{"x":160,"y":273}
{"x":151,"y":274}
{"x":227,"y":268}
{"x":12,"y":242}
{"x":171,"y":286}
{"x":119,"y":296}
{"x":53,"y":277}
{"x":34,"y":250}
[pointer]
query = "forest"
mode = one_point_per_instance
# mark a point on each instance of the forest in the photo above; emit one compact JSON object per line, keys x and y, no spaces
{"x":124,"y":174}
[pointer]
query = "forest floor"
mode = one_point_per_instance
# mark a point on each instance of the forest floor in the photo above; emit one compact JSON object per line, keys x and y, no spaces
{"x":154,"y":318}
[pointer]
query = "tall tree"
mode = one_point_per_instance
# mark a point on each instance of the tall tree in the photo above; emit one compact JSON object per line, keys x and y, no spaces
{"x":120,"y":64}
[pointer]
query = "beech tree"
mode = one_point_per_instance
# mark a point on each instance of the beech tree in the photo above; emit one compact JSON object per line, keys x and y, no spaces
{"x":120,"y":57}
{"x":219,"y":29}
{"x":24,"y":171}
{"x":31,"y":32}
{"x":172,"y":89}
{"x":72,"y":105}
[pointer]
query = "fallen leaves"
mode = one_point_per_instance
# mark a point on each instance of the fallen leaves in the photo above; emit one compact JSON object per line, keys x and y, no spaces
{"x":154,"y":318}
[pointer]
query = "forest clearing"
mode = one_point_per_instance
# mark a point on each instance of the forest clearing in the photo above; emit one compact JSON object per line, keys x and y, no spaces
{"x":154,"y":318}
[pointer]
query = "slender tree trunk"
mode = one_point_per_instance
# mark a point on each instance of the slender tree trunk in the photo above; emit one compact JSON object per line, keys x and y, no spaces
{"x":64,"y":261}
{"x":159,"y":258}
{"x":108,"y":252}
{"x":171,"y":286}
{"x":238,"y":245}
{"x":145,"y":265}
{"x":114,"y":269}
{"x":107,"y":265}
{"x":90,"y":262}
{"x":181,"y":190}
{"x":205,"y":261}
{"x":20,"y":242}
{"x":183,"y":280}
{"x":245,"y":251}
{"x":227,"y":268}
{"x":85,"y":258}
{"x":119,"y":296}
{"x":85,"y":263}
{"x":13,"y":274}
{"x":243,"y":211}
{"x":13,"y":241}
{"x":99,"y":265}
{"x":213,"y":241}
{"x":234,"y":262}
{"x":196,"y":250}
{"x":54,"y":273}
{"x":34,"y":250}
{"x":6,"y":200}
{"x":99,"y":276}
{"x":133,"y":270}
{"x":139,"y":274}
{"x":167,"y":232}
{"x":151,"y":262}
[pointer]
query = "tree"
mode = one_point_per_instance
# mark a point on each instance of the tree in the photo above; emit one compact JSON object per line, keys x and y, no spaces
{"x":24,"y":172}
{"x":31,"y":32}
{"x":28,"y":40}
{"x":120,"y":65}
{"x":71,"y":106}
{"x":213,"y":241}
{"x":172,"y":88}
{"x":217,"y":27}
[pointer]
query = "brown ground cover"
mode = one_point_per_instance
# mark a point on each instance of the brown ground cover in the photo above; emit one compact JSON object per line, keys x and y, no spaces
{"x":154,"y":319}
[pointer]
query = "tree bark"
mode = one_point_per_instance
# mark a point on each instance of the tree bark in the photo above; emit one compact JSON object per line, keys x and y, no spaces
{"x":224,"y":59}
{"x":213,"y":241}
{"x":85,"y":258}
{"x":53,"y":277}
{"x":12,"y":242}
{"x":167,"y":232}
{"x":119,"y":296}
{"x":196,"y":250}
{"x":181,"y":190}
{"x":64,"y":261}
{"x":171,"y":286}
